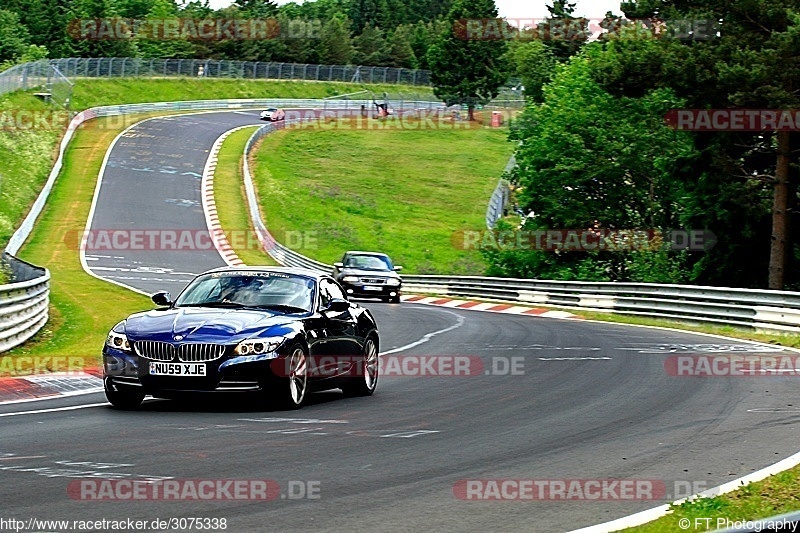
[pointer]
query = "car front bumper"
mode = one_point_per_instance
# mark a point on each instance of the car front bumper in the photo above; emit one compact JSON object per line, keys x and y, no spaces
{"x":227,"y":374}
{"x":376,"y":291}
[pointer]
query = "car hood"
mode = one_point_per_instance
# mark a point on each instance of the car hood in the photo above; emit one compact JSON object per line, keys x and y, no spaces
{"x":369,"y":273}
{"x":207,"y":325}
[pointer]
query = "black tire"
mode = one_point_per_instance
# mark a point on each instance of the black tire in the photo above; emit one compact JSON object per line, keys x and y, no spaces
{"x":288,"y":393}
{"x":365,"y":383}
{"x":125,"y":398}
{"x":395,"y":299}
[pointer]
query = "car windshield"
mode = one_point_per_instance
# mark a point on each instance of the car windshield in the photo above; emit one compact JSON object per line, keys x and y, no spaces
{"x":368,"y":262}
{"x":274,"y":291}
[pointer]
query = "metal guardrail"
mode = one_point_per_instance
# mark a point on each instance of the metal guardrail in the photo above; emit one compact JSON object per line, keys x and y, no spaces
{"x":759,"y":309}
{"x":497,"y":203}
{"x":23,"y":303}
{"x":280,"y":253}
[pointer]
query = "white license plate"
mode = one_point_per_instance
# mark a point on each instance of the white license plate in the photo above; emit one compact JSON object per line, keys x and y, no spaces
{"x":372,"y":288}
{"x":177,"y":369}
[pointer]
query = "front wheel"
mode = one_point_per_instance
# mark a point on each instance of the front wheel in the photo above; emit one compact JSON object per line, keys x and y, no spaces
{"x":125,"y":398}
{"x":289,"y":393}
{"x":364,"y":384}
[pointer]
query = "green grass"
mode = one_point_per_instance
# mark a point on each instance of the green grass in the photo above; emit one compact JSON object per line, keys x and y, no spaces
{"x":773,"y":496}
{"x":231,"y":200}
{"x":94,"y":92}
{"x":401,"y":191}
{"x":82,"y":308}
{"x":26,"y":156}
{"x":5,"y":273}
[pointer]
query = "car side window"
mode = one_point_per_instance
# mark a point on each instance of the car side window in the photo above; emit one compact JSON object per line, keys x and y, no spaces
{"x":335,"y":291}
{"x":329,"y":290}
{"x":324,"y":294}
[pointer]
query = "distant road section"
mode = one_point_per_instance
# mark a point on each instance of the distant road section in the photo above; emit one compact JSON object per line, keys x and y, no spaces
{"x":148,"y":230}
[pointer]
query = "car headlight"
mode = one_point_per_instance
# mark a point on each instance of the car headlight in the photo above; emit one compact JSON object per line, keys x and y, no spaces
{"x":393,"y":282}
{"x":350,"y":279}
{"x":258,"y":346}
{"x":117,"y":339}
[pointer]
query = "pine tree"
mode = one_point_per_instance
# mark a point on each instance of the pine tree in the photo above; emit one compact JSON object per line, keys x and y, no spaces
{"x":463,"y":70}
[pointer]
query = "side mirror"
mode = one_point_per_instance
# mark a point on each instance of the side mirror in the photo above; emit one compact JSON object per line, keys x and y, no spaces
{"x":338,"y":265}
{"x":162,"y":299}
{"x":337,"y":305}
{"x":397,"y":268}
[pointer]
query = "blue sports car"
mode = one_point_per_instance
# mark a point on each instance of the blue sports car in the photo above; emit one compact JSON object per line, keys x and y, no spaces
{"x":279,"y":332}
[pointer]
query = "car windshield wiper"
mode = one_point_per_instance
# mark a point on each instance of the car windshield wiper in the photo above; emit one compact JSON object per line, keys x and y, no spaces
{"x":283,"y":308}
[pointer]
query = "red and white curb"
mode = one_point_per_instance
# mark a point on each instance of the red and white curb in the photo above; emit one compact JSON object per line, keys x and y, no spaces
{"x":210,"y":206}
{"x":508,"y":309}
{"x":21,"y":389}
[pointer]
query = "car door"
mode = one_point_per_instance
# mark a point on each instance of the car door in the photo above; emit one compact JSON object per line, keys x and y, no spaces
{"x":343,"y":343}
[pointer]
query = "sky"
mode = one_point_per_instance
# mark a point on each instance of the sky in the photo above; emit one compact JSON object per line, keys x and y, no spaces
{"x":524,"y":9}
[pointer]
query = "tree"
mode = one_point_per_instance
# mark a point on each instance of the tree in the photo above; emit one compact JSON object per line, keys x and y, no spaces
{"x":467,"y":71}
{"x":750,"y":61}
{"x":135,"y":9}
{"x":401,"y":54}
{"x":365,"y":13}
{"x":117,"y":46}
{"x":534,"y":64}
{"x":370,"y":47}
{"x":589,"y":160}
{"x":257,"y":9}
{"x":14,"y":37}
{"x":162,"y":46}
{"x":335,"y":45}
{"x":46,"y":21}
{"x":423,"y":35}
{"x":562,"y":32}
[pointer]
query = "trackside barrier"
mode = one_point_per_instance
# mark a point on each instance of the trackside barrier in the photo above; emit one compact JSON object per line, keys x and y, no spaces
{"x":23,"y":303}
